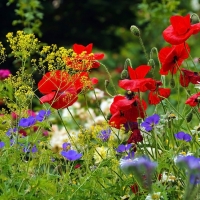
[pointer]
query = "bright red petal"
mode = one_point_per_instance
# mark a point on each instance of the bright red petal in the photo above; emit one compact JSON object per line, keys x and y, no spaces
{"x":180,"y":24}
{"x":88,"y":48}
{"x":78,"y":48}
{"x":153,"y":98}
{"x":164,"y":92}
{"x":98,"y":56}
{"x":139,"y":72}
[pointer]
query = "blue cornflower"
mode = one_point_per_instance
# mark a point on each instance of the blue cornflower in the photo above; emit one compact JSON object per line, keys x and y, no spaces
{"x":42,"y":114}
{"x":183,"y":136}
{"x":2,"y":144}
{"x":27,"y":122}
{"x":10,"y":131}
{"x":104,"y":135}
{"x":123,"y":148}
{"x":71,"y":155}
{"x":149,"y":122}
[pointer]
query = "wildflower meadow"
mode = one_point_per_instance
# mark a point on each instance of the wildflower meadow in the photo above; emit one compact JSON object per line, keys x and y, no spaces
{"x":64,"y":134}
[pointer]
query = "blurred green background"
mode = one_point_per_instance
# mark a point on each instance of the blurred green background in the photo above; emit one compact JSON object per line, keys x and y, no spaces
{"x":104,"y":23}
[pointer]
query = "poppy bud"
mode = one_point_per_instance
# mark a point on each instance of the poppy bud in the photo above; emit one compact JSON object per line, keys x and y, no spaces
{"x":151,"y":63}
{"x":172,"y":83}
{"x":189,"y":116}
{"x":124,"y":74}
{"x":106,"y":83}
{"x":135,"y":30}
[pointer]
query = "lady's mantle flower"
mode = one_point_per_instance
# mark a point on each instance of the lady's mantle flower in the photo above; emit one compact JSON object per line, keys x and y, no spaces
{"x":2,"y":144}
{"x":71,"y":155}
{"x":27,"y":122}
{"x":183,"y":136}
{"x":104,"y":135}
{"x":154,"y":196}
{"x":150,"y":122}
{"x":180,"y":29}
{"x":42,"y":114}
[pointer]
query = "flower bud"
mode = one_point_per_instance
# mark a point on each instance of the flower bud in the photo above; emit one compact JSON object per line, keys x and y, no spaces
{"x":172,"y":83}
{"x":106,"y":83}
{"x":135,"y":30}
{"x":124,"y":74}
{"x":151,"y":63}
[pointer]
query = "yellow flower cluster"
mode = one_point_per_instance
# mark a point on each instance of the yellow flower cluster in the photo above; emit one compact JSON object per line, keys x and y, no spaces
{"x":22,"y":91}
{"x":2,"y":53}
{"x":52,"y":56}
{"x":22,"y":45}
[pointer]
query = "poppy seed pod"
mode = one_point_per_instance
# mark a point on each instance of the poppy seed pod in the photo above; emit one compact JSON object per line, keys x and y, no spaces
{"x":135,"y":30}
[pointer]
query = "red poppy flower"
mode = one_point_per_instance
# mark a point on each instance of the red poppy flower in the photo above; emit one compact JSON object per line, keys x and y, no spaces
{"x":138,"y":81}
{"x":60,"y":89}
{"x":135,"y":137}
{"x":193,"y":100}
{"x":187,"y":76}
{"x":180,"y":29}
{"x":170,"y":57}
{"x":135,"y":188}
{"x":84,"y":59}
{"x":125,"y":110}
{"x":155,"y":97}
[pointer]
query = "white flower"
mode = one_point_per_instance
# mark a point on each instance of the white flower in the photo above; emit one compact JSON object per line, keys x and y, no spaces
{"x":101,"y":153}
{"x":167,"y":177}
{"x":154,"y":196}
{"x":105,"y":105}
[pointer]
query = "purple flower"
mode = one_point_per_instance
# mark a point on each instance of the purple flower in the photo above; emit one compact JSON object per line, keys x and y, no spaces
{"x":27,"y":122}
{"x":129,"y":156}
{"x":66,"y":146}
{"x":149,"y":122}
{"x":71,"y":155}
{"x":104,"y":135}
{"x":140,"y":167}
{"x":130,"y":126}
{"x":29,"y":148}
{"x":183,"y":136}
{"x":42,"y":114}
{"x":122,"y":148}
{"x":4,"y":73}
{"x":10,"y":131}
{"x":2,"y":144}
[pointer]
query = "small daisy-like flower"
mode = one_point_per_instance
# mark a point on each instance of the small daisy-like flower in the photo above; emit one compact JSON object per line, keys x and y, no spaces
{"x":154,"y":196}
{"x":149,"y":122}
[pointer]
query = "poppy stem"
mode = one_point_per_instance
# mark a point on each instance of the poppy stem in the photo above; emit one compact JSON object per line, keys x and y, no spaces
{"x":110,"y":78}
{"x":143,"y":48}
{"x":67,"y":130}
{"x":154,"y":49}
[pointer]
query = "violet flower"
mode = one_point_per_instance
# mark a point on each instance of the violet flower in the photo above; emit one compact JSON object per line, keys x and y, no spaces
{"x":66,"y":146}
{"x":42,"y":114}
{"x":71,"y":155}
{"x":183,"y":136}
{"x":140,"y":167}
{"x":123,"y":148}
{"x":27,"y":122}
{"x":2,"y":144}
{"x":10,"y":131}
{"x":104,"y":135}
{"x":149,"y":122}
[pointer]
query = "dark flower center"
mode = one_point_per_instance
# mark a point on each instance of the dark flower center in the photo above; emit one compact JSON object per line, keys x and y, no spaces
{"x":175,"y":59}
{"x":129,"y":95}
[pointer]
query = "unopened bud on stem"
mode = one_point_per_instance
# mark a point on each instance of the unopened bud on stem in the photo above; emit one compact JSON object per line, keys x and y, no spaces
{"x":135,"y":30}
